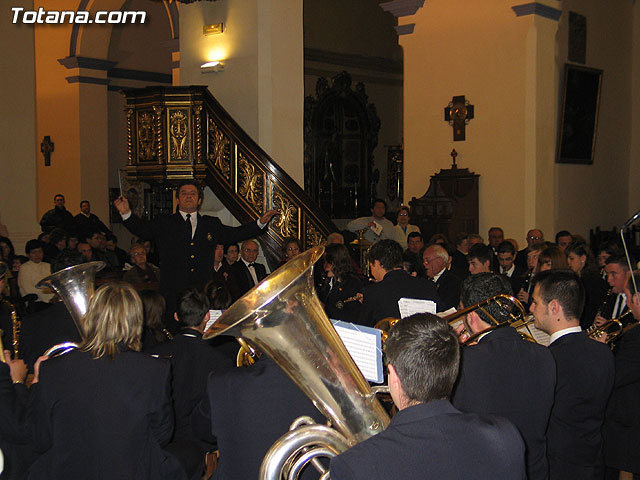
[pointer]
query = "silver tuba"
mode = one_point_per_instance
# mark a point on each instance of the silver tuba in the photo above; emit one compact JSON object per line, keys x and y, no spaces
{"x":75,"y":286}
{"x":283,"y":318}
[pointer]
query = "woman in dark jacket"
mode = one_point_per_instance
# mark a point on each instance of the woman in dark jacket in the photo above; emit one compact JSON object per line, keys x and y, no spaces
{"x":342,"y":288}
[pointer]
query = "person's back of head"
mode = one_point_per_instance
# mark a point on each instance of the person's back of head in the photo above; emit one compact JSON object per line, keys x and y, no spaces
{"x":425,"y":353}
{"x":479,"y":287}
{"x":154,"y":304}
{"x":193,"y":306}
{"x":388,"y":253}
{"x":218,"y":295}
{"x":66,"y":259}
{"x":563,"y":286}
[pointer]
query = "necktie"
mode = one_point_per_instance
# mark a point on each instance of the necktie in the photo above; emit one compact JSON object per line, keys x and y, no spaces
{"x":188,"y":224}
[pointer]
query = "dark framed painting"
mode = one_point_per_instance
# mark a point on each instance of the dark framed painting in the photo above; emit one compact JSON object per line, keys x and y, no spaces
{"x":579,"y":116}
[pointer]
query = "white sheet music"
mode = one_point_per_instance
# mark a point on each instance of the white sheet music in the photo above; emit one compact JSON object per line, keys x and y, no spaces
{"x":364,"y":346}
{"x":213,"y":316}
{"x":410,"y":306}
{"x":541,"y":337}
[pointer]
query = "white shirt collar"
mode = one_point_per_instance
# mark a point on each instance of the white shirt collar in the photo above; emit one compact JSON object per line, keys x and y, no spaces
{"x":509,"y":272}
{"x":437,"y":277}
{"x":563,"y":332}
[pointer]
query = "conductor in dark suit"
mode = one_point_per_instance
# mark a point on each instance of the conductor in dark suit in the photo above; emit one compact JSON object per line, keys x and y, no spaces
{"x":192,"y":359}
{"x":246,"y":272}
{"x":392,"y":283}
{"x":436,"y":260}
{"x":585,"y":374}
{"x":104,"y":410}
{"x":186,"y":240}
{"x":429,"y":438}
{"x":246,"y":410}
{"x":503,"y":374}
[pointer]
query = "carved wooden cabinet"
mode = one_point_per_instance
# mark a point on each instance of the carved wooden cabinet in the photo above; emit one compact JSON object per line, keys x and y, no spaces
{"x":449,"y":206}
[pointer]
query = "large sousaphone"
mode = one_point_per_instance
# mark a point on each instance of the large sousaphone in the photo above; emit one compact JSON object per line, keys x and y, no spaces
{"x":283,"y":318}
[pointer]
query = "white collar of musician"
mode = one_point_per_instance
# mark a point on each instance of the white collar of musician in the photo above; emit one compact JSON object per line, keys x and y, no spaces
{"x":563,"y":332}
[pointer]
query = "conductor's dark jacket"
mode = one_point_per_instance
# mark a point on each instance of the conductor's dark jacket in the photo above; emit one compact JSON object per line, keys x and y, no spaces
{"x":246,"y":411}
{"x":103,"y":418}
{"x":511,"y":377}
{"x":434,"y":441}
{"x":187,"y":262}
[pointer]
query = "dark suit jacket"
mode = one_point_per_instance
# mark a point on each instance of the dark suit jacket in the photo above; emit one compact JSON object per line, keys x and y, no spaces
{"x":246,"y":411}
{"x":381,"y":298}
{"x":85,"y":226}
{"x":585,"y":373}
{"x":242,"y":278}
{"x":595,"y":291}
{"x":341,"y":291}
{"x":459,"y":265}
{"x":621,"y":431}
{"x":187,"y":262}
{"x":14,"y":436}
{"x":104,"y":418}
{"x":511,"y":377}
{"x":448,"y":287}
{"x":516,"y":279}
{"x":58,"y":218}
{"x":436,"y":441}
{"x":44,"y":329}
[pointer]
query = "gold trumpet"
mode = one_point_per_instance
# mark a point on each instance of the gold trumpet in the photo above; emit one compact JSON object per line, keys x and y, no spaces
{"x":612,"y":328}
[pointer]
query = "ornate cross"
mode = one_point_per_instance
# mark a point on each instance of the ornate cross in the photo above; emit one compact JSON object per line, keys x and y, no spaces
{"x":454,"y":154}
{"x":458,"y":113}
{"x":46,"y":147}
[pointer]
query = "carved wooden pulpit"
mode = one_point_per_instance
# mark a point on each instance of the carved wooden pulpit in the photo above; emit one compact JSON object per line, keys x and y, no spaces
{"x":450,"y":205}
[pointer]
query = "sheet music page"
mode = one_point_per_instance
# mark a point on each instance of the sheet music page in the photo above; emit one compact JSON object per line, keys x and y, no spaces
{"x":541,"y":337}
{"x":377,"y":228}
{"x":409,"y":306}
{"x":364,"y":346}
{"x":213,"y":316}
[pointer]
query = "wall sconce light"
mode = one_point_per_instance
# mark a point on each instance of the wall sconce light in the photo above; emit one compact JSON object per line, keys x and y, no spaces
{"x":208,"y":67}
{"x":213,"y":29}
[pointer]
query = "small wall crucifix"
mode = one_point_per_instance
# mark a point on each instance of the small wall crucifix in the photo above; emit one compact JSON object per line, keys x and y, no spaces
{"x":458,"y":113}
{"x":46,"y":147}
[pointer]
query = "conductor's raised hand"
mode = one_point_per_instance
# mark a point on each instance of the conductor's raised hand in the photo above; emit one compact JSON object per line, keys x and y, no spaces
{"x":267,"y":216}
{"x":122,"y":205}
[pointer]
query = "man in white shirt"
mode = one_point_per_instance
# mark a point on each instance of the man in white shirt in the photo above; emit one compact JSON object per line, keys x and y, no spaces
{"x":377,"y":226}
{"x":33,"y":271}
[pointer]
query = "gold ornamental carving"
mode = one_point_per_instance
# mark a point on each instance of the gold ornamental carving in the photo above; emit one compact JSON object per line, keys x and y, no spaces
{"x":178,"y":130}
{"x":312,"y":236}
{"x":157,"y":110}
{"x":250,"y":183}
{"x":287,"y":222}
{"x":219,"y":150}
{"x":130,"y":112}
{"x":198,"y":132}
{"x":146,"y":136}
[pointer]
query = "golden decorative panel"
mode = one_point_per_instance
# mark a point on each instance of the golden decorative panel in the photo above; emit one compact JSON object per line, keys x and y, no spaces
{"x":198,"y":132}
{"x":146,"y":136}
{"x":179,"y":134}
{"x":287,"y":222}
{"x":219,"y":151}
{"x":250,"y":183}
{"x":130,"y":112}
{"x":157,"y":110}
{"x":312,"y":236}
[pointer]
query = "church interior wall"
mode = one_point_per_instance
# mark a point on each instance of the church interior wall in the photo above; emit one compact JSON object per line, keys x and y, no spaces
{"x":634,"y":165}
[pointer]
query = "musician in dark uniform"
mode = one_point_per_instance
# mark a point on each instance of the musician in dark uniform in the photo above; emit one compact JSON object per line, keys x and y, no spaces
{"x":339,"y":292}
{"x":186,"y":240}
{"x":392,"y":283}
{"x":621,"y":431}
{"x":429,"y":438}
{"x":503,"y":374}
{"x":246,"y":410}
{"x":192,"y":359}
{"x":585,"y":374}
{"x":104,"y":410}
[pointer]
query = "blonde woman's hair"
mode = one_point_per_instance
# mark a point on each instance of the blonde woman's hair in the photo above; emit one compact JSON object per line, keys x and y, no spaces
{"x":113,"y":320}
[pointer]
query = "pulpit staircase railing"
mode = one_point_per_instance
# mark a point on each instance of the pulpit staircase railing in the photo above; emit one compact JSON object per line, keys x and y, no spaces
{"x":177,"y":133}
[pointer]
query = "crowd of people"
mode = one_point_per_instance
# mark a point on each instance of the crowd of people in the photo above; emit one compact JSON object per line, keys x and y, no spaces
{"x":144,"y":396}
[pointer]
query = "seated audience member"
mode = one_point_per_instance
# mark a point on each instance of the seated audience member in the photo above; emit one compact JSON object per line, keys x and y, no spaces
{"x":496,"y":237}
{"x":584,"y":372}
{"x":435,"y":260}
{"x":85,"y":250}
{"x":7,"y":251}
{"x":57,"y":243}
{"x":33,"y":271}
{"x":192,"y":359}
{"x":403,"y":228}
{"x":608,"y":249}
{"x":415,"y":243}
{"x":247,"y":273}
{"x":231,"y":253}
{"x":153,"y":331}
{"x":422,"y":356}
{"x":72,"y":241}
{"x":57,"y":217}
{"x":290,"y":248}
{"x":104,"y":410}
{"x":503,"y":372}
{"x":378,"y":210}
{"x":459,"y":262}
{"x":99,"y":246}
{"x":534,"y":236}
{"x":223,"y":272}
{"x":479,"y":258}
{"x":6,"y":322}
{"x":563,"y":239}
{"x":87,"y":222}
{"x":552,"y":258}
{"x":335,"y":237}
{"x":42,"y":330}
{"x":440,"y":239}
{"x":581,"y":261}
{"x":143,"y":274}
{"x":111,"y":244}
{"x":506,"y":260}
{"x":392,"y":283}
{"x":342,"y":287}
{"x":412,"y":264}
{"x":474,"y":239}
{"x":621,"y":431}
{"x":245,"y":411}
